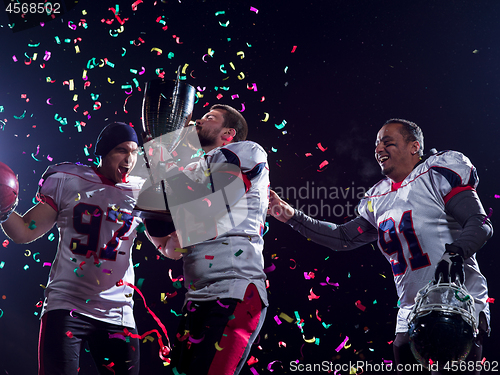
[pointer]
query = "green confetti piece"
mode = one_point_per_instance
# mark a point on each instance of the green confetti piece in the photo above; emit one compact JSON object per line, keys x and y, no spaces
{"x":51,"y":237}
{"x":139,"y":283}
{"x":328,"y":257}
{"x":76,"y":273}
{"x":326,"y":325}
{"x":281,"y":126}
{"x":174,"y":370}
{"x":374,"y":302}
{"x":220,"y":12}
{"x":141,"y":228}
{"x":136,"y":265}
{"x":177,"y":285}
{"x":232,"y":317}
{"x":317,"y":341}
{"x":26,"y":267}
{"x":170,"y":55}
{"x":2,"y":263}
{"x":173,"y":312}
{"x":87,"y":301}
{"x":238,"y":253}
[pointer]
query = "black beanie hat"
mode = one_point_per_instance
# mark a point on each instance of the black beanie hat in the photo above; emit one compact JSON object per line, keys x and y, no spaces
{"x":112,"y":135}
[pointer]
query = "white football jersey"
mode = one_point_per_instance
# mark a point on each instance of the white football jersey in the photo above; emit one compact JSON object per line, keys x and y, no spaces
{"x":96,"y":235}
{"x":228,"y":260}
{"x":413,"y":227}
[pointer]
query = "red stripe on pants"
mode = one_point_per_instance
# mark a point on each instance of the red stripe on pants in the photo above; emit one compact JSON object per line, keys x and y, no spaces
{"x":237,"y":333}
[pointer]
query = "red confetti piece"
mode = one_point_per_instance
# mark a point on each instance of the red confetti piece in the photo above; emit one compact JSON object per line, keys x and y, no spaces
{"x":209,"y":257}
{"x":69,"y":334}
{"x":323,"y":164}
{"x":359,"y":305}
{"x":312,"y":296}
{"x":322,"y":148}
{"x":490,"y":300}
{"x":252,"y":361}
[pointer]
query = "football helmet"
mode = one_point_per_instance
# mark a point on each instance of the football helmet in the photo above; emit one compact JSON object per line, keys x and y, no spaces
{"x":442,"y":324}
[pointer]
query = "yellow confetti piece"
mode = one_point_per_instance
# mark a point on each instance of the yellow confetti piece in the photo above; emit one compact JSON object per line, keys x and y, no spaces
{"x":77,"y":49}
{"x":148,"y":338}
{"x":158,"y":51}
{"x":218,"y":347}
{"x":138,"y":245}
{"x":241,"y":76}
{"x":78,"y":197}
{"x":286,"y":317}
{"x":241,"y":54}
{"x":310,"y":341}
{"x":110,"y":81}
{"x":75,"y":97}
{"x":184,"y":68}
{"x":265,"y":118}
{"x":71,"y":85}
{"x":27,"y":253}
{"x":34,"y":56}
{"x":207,"y":172}
{"x":179,"y":250}
{"x":370,"y":208}
{"x":73,"y":247}
{"x":232,"y":65}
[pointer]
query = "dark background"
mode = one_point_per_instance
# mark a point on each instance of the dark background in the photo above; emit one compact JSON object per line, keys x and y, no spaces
{"x":355,"y":65}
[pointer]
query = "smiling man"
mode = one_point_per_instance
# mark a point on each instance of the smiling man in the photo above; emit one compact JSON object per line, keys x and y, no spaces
{"x":92,"y":209}
{"x":426,"y":218}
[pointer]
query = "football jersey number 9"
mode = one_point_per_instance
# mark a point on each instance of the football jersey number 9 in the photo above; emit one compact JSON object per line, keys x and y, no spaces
{"x":393,"y":245}
{"x":87,"y":219}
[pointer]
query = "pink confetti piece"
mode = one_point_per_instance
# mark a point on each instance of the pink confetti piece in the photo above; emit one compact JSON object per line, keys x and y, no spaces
{"x":271,"y":268}
{"x":116,"y":336}
{"x":254,"y":10}
{"x":339,"y":348}
{"x":254,"y":371}
{"x":271,"y":364}
{"x":222,"y":305}
{"x":294,"y":48}
{"x":277,"y":319}
{"x":47,"y":264}
{"x":322,"y":148}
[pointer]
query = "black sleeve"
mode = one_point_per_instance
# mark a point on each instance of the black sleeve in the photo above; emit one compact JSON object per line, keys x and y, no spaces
{"x":467,"y":210}
{"x":349,"y":236}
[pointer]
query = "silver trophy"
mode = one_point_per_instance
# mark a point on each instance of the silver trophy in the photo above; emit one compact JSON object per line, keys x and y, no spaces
{"x":167,"y":108}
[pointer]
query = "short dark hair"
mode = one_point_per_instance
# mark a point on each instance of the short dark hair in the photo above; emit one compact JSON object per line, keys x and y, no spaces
{"x":233,"y":119}
{"x":410,"y":131}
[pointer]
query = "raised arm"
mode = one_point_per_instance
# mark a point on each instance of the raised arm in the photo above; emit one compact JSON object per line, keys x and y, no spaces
{"x":33,"y":224}
{"x":349,"y":236}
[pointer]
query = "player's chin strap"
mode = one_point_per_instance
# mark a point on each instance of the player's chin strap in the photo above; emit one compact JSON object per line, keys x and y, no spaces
{"x":164,"y":349}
